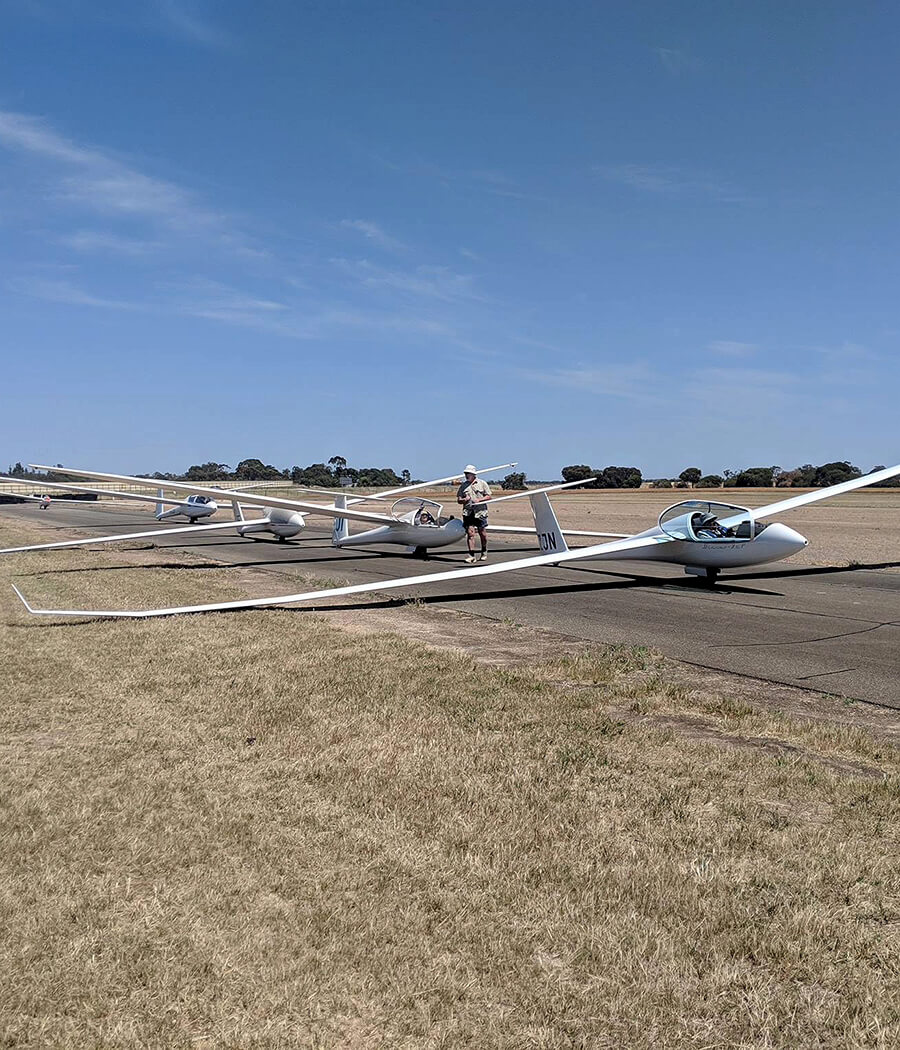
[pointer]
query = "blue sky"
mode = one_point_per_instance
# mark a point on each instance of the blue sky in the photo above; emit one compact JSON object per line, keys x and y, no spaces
{"x":417,"y":234}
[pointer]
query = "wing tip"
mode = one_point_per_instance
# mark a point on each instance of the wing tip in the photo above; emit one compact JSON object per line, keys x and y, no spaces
{"x":23,"y":599}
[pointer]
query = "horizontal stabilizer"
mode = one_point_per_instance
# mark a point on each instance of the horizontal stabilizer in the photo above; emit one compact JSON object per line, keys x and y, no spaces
{"x":529,"y":529}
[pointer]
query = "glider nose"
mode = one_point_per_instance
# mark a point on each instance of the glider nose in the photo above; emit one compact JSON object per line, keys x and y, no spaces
{"x":787,"y":537}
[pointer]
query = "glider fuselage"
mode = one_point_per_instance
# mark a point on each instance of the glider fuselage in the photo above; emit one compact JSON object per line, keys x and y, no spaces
{"x":408,"y":534}
{"x":776,"y":542}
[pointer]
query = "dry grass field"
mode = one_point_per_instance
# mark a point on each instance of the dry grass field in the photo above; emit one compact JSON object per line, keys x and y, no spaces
{"x":260,"y":830}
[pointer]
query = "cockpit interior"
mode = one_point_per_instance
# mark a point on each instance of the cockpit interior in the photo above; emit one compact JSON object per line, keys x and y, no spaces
{"x":703,"y":521}
{"x":415,"y":510}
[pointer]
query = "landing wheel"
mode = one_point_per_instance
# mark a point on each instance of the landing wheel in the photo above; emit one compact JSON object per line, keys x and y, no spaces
{"x":282,"y":539}
{"x":421,"y":552}
{"x":711,"y":576}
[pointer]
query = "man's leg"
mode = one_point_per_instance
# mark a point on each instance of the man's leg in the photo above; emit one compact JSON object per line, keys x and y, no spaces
{"x":470,"y":540}
{"x":482,"y":532}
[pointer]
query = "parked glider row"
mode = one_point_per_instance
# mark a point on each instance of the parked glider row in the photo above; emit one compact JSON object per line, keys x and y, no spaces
{"x":414,"y":522}
{"x":703,"y":536}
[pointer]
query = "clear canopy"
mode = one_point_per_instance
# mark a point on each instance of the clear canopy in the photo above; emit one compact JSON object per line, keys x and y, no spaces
{"x":706,"y":521}
{"x":417,"y":511}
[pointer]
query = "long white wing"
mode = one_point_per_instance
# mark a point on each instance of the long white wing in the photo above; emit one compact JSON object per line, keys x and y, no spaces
{"x":534,"y":492}
{"x":602,"y":550}
{"x":219,"y":526}
{"x":566,"y":532}
{"x":792,"y":502}
{"x":437,"y":481}
{"x":229,"y":494}
{"x":50,"y":485}
{"x":272,"y":501}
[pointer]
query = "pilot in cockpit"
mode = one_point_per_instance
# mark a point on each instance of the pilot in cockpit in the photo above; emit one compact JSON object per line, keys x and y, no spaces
{"x":707,"y":527}
{"x":425,"y":517}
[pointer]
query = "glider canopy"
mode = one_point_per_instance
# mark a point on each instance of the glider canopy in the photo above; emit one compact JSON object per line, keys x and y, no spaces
{"x":705,"y":521}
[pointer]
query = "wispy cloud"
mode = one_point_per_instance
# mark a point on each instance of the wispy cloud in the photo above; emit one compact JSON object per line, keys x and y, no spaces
{"x":675,"y":60}
{"x":732,"y":348}
{"x":63,"y":291}
{"x":191,"y":21}
{"x":764,"y":389}
{"x":635,"y":381}
{"x":185,"y":20}
{"x":471,"y":180}
{"x":102,"y":243}
{"x":673,"y":182}
{"x":374,"y":233}
{"x":433,"y":282}
{"x":91,"y":179}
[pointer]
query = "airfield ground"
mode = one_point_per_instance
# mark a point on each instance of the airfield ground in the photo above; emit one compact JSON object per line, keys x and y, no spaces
{"x":283,"y":829}
{"x":810,"y":621}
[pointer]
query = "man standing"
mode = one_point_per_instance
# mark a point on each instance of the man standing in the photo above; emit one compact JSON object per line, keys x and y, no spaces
{"x":473,"y":495}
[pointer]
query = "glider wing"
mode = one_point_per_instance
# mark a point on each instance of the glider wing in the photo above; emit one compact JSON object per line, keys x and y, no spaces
{"x":792,"y":502}
{"x":219,"y":526}
{"x":602,"y":550}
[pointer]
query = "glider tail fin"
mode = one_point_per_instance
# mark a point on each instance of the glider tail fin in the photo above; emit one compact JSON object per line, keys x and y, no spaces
{"x":341,"y":528}
{"x":160,"y":507}
{"x":549,"y":533}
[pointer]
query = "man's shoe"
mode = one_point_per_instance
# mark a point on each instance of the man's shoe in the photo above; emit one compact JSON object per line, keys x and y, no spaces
{"x":471,"y":559}
{"x":483,"y":556}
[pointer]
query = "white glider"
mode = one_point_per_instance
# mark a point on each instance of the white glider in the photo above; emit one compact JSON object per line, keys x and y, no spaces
{"x":702,"y":536}
{"x":282,"y":520}
{"x":403,"y":525}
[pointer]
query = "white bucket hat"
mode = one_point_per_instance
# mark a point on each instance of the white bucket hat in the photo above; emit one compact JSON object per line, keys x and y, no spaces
{"x":469,"y":470}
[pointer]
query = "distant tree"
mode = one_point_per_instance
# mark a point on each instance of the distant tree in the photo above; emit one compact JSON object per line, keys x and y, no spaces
{"x":316,"y":474}
{"x":337,"y":464}
{"x":711,"y":481}
{"x":406,"y":477}
{"x":752,"y":477}
{"x":377,"y":477}
{"x":619,"y":478}
{"x":835,"y":473}
{"x":18,"y":471}
{"x":207,"y":472}
{"x":578,"y":472}
{"x":691,"y":475}
{"x":804,"y":476}
{"x":513,"y":481}
{"x":255,"y":470}
{"x":661,"y":483}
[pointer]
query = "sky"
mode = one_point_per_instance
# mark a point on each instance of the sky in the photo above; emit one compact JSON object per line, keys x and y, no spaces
{"x":418,"y":234}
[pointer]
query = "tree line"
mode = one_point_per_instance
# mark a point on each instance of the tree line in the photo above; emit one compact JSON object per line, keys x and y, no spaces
{"x":805,"y":476}
{"x":337,"y":472}
{"x":332,"y":474}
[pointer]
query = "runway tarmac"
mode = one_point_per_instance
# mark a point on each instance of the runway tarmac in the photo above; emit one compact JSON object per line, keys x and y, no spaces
{"x":834,"y":630}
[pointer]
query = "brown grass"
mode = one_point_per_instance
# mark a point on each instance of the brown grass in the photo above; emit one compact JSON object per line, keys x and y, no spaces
{"x":258,"y":830}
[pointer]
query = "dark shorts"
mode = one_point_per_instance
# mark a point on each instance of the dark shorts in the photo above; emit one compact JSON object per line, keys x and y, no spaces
{"x":475,"y":521}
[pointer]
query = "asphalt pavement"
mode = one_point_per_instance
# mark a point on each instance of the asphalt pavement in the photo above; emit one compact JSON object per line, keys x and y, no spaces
{"x":834,"y":630}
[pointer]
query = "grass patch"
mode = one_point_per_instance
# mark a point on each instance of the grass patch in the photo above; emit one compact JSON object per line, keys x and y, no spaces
{"x":256,"y":830}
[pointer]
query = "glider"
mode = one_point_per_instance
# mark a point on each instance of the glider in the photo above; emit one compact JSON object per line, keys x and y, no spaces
{"x":704,"y":536}
{"x":409,"y":521}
